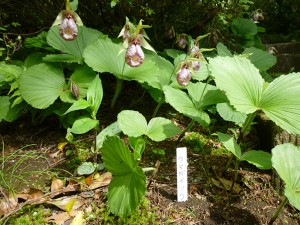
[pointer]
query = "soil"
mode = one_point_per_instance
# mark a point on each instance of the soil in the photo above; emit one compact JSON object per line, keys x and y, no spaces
{"x":208,"y":204}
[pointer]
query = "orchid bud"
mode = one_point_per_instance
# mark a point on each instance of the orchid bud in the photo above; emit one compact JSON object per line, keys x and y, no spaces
{"x":194,"y":48}
{"x":170,"y":33}
{"x":181,"y":41}
{"x":74,"y":90}
{"x":183,"y":76}
{"x":196,"y":65}
{"x":258,"y":16}
{"x":134,"y":55}
{"x":68,"y":28}
{"x":126,"y":32}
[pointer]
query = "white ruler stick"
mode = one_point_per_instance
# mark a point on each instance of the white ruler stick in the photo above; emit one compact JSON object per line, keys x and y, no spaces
{"x":182,"y":183}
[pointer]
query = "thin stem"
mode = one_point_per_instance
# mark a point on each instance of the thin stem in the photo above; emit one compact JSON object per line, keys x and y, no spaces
{"x":68,"y":5}
{"x":186,"y":130}
{"x":95,"y":146}
{"x":117,"y":92}
{"x":161,"y":101}
{"x":282,"y":204}
{"x":139,"y":99}
{"x":236,"y":167}
{"x":246,"y":126}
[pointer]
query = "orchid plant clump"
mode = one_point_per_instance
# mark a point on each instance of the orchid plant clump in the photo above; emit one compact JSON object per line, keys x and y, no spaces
{"x":232,"y":84}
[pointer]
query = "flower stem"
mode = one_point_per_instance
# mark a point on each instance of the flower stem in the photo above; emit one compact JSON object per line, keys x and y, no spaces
{"x":161,"y":101}
{"x":246,"y":126}
{"x":117,"y":92}
{"x":68,"y":5}
{"x":282,"y":204}
{"x":186,"y":130}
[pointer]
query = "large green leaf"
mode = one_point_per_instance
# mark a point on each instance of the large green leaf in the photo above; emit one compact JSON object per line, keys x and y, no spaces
{"x":132,"y":123}
{"x":243,"y":27}
{"x":286,"y":161}
{"x":260,"y":159}
{"x":205,"y":94}
{"x":112,"y":129}
{"x":66,"y":58}
{"x":228,"y":113}
{"x":184,"y":104}
{"x":281,"y":102}
{"x":165,"y":72}
{"x":223,"y":50}
{"x":160,"y":129}
{"x":75,"y":47}
{"x":128,"y":185}
{"x":41,"y":85}
{"x":261,"y":59}
{"x":103,"y":56}
{"x":78,"y":105}
{"x":4,"y":103}
{"x":202,"y":73}
{"x":9,"y":72}
{"x":240,"y":80}
{"x":230,"y":144}
{"x":84,"y":124}
{"x":34,"y":59}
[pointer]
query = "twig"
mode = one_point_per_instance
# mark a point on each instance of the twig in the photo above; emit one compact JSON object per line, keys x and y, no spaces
{"x":157,"y":164}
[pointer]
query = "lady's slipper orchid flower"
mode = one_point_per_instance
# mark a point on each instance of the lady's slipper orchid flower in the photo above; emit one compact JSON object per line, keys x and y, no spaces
{"x":181,"y":41}
{"x":134,"y":37}
{"x":68,"y":28}
{"x":68,"y":21}
{"x":134,"y":55}
{"x":183,"y":76}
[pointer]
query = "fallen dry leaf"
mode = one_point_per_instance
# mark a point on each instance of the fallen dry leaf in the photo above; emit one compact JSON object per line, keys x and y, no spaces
{"x":35,"y":194}
{"x":100,"y":180}
{"x":8,"y":204}
{"x":78,"y":220}
{"x":63,"y":201}
{"x":61,"y":145}
{"x":57,"y":184}
{"x":223,"y":183}
{"x":61,"y":218}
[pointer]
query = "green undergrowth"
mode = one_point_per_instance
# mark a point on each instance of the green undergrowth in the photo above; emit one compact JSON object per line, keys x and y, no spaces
{"x":145,"y":214}
{"x":30,"y":215}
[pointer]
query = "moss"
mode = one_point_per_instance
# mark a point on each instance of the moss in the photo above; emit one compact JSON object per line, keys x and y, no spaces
{"x":30,"y":215}
{"x":145,"y":214}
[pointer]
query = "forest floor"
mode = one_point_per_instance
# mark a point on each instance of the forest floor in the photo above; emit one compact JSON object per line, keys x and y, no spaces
{"x":253,"y":200}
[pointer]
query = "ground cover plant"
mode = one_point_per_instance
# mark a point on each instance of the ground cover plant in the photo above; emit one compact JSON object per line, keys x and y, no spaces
{"x":115,"y":171}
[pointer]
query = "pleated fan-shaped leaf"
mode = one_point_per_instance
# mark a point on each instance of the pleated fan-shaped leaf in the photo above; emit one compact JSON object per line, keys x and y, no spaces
{"x":247,"y":92}
{"x":41,"y":85}
{"x":286,"y":161}
{"x":281,"y":102}
{"x":261,"y":59}
{"x":240,"y":80}
{"x":85,"y":37}
{"x":103,"y":56}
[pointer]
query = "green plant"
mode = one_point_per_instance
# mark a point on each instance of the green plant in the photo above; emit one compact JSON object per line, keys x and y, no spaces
{"x":128,"y":185}
{"x":248,"y":93}
{"x":12,"y":174}
{"x":34,"y":215}
{"x":289,"y":171}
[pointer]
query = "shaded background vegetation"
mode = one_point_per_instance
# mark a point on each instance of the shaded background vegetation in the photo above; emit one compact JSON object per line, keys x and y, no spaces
{"x":193,"y":17}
